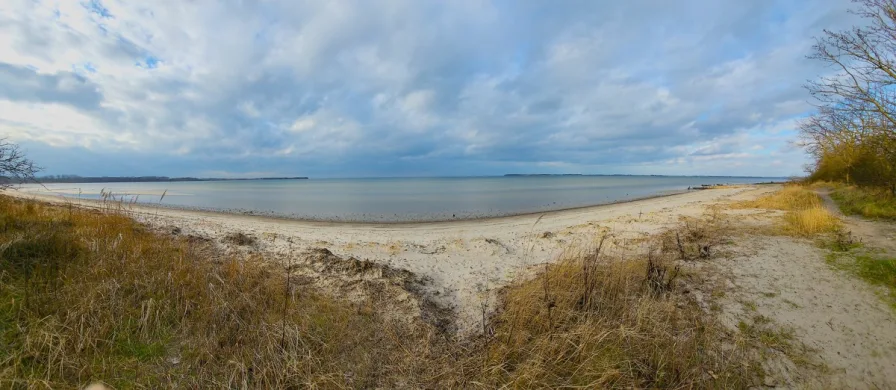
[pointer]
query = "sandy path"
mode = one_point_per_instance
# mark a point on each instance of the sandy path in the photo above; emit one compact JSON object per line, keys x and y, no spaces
{"x":464,"y":259}
{"x":840,"y":318}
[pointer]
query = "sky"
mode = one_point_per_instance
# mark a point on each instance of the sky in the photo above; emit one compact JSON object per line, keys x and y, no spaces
{"x":367,"y":88}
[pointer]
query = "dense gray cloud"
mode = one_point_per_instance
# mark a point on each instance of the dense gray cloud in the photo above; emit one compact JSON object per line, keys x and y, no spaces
{"x":24,"y":84}
{"x":404,"y":87}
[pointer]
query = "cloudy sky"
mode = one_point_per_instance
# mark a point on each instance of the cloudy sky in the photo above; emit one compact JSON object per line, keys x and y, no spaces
{"x":408,"y":87}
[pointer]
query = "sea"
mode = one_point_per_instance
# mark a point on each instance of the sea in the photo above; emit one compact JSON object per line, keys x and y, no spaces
{"x":395,"y":199}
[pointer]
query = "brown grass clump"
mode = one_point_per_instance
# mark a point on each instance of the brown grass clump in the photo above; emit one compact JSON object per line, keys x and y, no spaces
{"x":88,"y":296}
{"x":240,"y":238}
{"x":597,"y":321}
{"x":697,"y":238}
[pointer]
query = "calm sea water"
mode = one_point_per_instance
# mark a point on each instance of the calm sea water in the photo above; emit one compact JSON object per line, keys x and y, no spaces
{"x":398,"y":199}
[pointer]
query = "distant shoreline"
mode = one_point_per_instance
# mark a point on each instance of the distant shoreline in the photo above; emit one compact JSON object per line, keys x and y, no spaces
{"x":166,"y":179}
{"x":147,"y":179}
{"x":55,"y":198}
{"x":632,"y":175}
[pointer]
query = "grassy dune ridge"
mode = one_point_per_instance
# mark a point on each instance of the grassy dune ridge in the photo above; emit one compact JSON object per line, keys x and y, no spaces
{"x":94,"y":296}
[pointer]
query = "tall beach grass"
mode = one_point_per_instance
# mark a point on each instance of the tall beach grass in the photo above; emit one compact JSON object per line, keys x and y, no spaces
{"x":88,"y":296}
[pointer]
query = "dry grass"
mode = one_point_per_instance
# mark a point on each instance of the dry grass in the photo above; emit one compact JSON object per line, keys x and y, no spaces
{"x":806,"y":215}
{"x":697,"y":238}
{"x":89,"y":296}
{"x":240,"y":239}
{"x":810,"y":222}
{"x":791,"y":197}
{"x":593,"y":320}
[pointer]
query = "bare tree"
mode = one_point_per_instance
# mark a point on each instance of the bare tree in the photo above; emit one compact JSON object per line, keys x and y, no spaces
{"x":853,"y":135}
{"x":14,"y":166}
{"x":865,"y":58}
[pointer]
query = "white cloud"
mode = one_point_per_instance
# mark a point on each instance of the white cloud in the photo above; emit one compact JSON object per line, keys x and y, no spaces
{"x":248,"y":109}
{"x":55,"y":124}
{"x":302,"y":124}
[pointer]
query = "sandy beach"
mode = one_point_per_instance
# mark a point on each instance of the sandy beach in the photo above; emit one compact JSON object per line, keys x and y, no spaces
{"x":457,"y":268}
{"x":465,"y":261}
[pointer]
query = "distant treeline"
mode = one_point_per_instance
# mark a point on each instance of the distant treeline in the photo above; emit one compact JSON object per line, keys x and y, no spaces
{"x":133,"y":179}
{"x":542,"y":174}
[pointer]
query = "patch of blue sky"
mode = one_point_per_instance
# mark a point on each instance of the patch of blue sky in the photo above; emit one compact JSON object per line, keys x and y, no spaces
{"x":96,"y":7}
{"x":149,"y":62}
{"x":81,"y":69}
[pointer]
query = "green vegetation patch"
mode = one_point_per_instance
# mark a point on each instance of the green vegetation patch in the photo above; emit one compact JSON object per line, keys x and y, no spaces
{"x":871,"y":267}
{"x":877,"y":203}
{"x":869,"y":264}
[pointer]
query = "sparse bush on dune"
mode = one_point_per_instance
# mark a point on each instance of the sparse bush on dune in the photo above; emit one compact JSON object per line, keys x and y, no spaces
{"x":697,"y":238}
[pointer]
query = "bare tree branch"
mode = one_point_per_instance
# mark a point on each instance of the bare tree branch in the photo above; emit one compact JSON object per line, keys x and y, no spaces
{"x":15,"y":167}
{"x":853,"y":134}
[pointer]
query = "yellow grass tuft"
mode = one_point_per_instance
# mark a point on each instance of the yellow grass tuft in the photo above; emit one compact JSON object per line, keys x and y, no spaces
{"x":806,"y":214}
{"x":791,"y":197}
{"x":810,"y":222}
